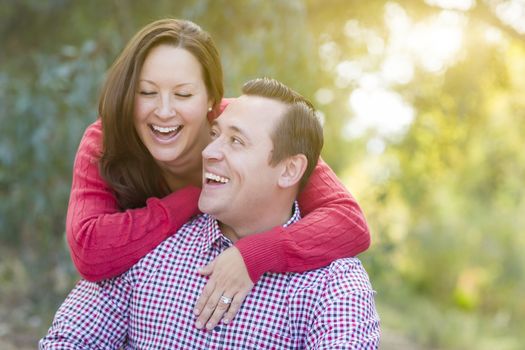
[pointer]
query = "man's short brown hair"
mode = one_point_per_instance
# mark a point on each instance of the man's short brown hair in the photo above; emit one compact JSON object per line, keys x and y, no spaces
{"x":298,"y":132}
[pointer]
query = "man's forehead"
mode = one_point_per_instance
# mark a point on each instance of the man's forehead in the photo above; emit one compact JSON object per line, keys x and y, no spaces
{"x":254,"y":109}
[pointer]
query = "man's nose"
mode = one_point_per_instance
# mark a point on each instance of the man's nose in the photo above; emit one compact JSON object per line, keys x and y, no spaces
{"x":214,"y":150}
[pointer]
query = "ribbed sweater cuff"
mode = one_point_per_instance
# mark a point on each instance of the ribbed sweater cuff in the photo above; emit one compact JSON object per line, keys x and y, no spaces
{"x":262,"y":253}
{"x":181,"y":205}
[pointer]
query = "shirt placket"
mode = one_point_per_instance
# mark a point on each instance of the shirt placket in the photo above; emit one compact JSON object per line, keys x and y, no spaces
{"x":216,"y":338}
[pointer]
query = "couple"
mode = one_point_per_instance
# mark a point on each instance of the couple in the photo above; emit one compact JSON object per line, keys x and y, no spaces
{"x":261,"y":148}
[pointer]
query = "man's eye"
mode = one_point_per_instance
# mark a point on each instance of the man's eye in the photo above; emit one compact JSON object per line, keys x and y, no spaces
{"x":213,"y":134}
{"x":236,"y":141}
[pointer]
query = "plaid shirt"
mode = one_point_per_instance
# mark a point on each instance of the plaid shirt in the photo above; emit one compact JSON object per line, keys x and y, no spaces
{"x":151,"y":305}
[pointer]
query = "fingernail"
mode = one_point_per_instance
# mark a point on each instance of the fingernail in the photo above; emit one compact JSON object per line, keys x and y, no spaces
{"x":196,"y":312}
{"x":226,"y":321}
{"x":209,"y":326}
{"x":198,"y":325}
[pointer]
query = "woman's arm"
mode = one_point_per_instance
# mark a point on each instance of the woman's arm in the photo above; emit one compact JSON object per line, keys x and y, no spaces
{"x":104,"y":241}
{"x":333,"y":227}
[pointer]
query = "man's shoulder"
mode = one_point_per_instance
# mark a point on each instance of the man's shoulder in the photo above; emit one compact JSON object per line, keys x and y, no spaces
{"x":341,"y":276}
{"x":336,"y":267}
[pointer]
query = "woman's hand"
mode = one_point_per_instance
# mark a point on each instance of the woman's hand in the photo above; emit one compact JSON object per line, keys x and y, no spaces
{"x":229,"y":279}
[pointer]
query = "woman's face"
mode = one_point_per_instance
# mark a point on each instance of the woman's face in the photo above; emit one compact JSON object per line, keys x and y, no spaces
{"x":171,"y":105}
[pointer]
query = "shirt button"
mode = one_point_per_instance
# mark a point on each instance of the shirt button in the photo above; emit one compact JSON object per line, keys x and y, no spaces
{"x":217,"y":328}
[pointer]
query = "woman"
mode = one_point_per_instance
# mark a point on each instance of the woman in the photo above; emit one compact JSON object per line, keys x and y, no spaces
{"x":138,"y":169}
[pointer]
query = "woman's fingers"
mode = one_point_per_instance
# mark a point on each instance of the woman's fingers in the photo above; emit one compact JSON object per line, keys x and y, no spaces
{"x":229,"y":279}
{"x":209,"y":307}
{"x":208,"y":269}
{"x":235,"y":306}
{"x":205,"y":295}
{"x":220,"y":310}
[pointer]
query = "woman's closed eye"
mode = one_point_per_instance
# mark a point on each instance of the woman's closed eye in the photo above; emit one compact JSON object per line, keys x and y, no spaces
{"x":147,"y":93}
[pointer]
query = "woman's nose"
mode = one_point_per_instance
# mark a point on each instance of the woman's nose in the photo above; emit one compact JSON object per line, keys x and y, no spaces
{"x":166,"y":108}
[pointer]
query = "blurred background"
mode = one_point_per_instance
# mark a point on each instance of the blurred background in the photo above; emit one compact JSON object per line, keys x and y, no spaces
{"x":424,"y":110}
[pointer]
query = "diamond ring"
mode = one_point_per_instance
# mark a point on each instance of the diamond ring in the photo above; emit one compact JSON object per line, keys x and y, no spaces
{"x":226,"y":300}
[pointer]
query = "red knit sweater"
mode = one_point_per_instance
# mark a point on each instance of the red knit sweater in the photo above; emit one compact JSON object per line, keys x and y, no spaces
{"x":105,"y":241}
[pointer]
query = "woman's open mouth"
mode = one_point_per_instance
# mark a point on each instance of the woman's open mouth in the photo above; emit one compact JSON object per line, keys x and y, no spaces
{"x":165,"y":133}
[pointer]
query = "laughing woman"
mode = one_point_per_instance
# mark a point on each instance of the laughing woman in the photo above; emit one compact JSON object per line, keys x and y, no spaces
{"x":138,"y":170}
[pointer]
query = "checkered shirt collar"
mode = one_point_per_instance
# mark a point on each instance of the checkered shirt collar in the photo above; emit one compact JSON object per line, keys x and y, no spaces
{"x":211,"y":232}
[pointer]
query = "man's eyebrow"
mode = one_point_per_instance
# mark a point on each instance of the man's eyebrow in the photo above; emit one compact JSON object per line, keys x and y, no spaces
{"x":239,"y":130}
{"x":233,"y":128}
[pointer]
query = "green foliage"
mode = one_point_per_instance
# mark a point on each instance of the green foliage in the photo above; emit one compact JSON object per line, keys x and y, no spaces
{"x":456,"y":189}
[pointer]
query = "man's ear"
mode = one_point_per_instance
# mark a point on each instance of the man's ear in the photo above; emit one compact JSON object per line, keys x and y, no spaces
{"x":293,"y":169}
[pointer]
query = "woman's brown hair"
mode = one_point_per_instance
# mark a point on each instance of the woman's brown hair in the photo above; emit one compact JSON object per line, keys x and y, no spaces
{"x":126,"y":164}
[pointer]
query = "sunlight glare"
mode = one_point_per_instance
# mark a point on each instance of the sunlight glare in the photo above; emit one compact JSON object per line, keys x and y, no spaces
{"x":436,"y":42}
{"x":513,"y":12}
{"x":375,"y":45}
{"x":329,"y":53}
{"x":352,"y":29}
{"x":375,"y":145}
{"x":493,"y":35}
{"x":378,"y":109}
{"x":324,"y":96}
{"x":462,"y":5}
{"x":398,"y":68}
{"x":347,"y":72}
{"x":433,"y":43}
{"x":396,"y":19}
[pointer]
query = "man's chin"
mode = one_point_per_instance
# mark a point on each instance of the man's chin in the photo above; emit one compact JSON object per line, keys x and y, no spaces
{"x":205,"y":206}
{"x":202,"y":207}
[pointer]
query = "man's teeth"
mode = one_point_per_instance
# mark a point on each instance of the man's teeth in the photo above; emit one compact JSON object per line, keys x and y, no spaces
{"x":217,"y":178}
{"x":165,"y":129}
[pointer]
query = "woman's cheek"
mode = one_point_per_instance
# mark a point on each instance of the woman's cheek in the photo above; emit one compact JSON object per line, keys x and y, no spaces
{"x":143,"y":108}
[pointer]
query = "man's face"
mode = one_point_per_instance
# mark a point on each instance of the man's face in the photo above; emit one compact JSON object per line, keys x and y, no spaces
{"x":238,"y":182}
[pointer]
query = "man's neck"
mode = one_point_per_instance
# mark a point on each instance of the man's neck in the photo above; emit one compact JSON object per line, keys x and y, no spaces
{"x":234,"y":233}
{"x":229,"y":232}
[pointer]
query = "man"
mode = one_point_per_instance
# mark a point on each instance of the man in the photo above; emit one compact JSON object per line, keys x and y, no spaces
{"x":264,"y":147}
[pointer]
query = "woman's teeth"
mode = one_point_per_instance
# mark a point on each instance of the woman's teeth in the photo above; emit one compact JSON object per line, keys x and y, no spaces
{"x":165,"y":130}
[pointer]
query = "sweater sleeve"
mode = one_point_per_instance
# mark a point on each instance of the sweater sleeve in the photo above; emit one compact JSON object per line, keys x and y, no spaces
{"x":333,"y":227}
{"x":103,"y":240}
